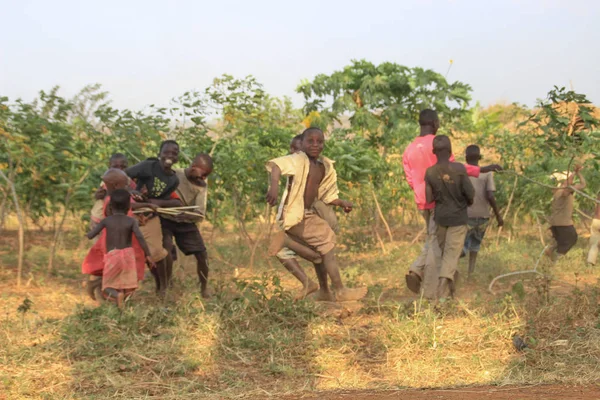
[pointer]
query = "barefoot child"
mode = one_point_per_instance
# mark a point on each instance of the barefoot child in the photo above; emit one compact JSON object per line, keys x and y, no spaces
{"x":479,"y":212}
{"x":287,"y":256}
{"x":417,"y":157}
{"x":448,"y":185}
{"x":314,"y":179}
{"x":119,"y":261}
{"x":93,"y":264}
{"x":192,"y":191}
{"x":594,"y":235}
{"x":561,"y":217}
{"x":156,"y":178}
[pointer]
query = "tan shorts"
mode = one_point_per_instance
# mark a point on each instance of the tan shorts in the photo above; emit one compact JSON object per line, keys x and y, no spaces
{"x":314,"y":231}
{"x":152,"y":232}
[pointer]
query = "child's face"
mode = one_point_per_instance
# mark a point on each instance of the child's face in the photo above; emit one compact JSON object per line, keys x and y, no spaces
{"x":118,"y":163}
{"x":313,"y":143}
{"x":198,"y":173}
{"x":168,"y":156}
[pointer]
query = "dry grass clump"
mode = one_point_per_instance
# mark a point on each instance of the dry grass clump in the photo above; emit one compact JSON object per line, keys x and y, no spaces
{"x":253,"y":340}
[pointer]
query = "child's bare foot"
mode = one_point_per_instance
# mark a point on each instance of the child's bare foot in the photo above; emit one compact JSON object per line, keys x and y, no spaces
{"x":206,"y":293}
{"x":92,"y":284}
{"x":121,"y":300}
{"x":348,"y":294}
{"x":305,"y":291}
{"x":323,"y":295}
{"x":413,"y":282}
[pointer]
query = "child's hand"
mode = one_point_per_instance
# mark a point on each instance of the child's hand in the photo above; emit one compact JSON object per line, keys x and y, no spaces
{"x":347,"y":206}
{"x":272,"y":196}
{"x":100,"y":194}
{"x":150,"y":263}
{"x":137,"y":196}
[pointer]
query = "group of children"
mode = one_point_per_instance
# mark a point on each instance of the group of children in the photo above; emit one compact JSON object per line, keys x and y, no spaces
{"x":141,"y":210}
{"x":454,"y":199}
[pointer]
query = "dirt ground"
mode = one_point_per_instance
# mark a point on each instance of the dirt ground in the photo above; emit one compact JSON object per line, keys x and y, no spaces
{"x":545,"y":392}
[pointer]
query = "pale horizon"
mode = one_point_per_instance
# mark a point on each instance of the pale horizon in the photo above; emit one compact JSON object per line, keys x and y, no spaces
{"x":147,"y":53}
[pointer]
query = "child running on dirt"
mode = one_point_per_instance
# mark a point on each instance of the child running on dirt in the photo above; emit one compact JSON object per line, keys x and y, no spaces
{"x":120,"y":272}
{"x":561,"y":218}
{"x":93,"y":264}
{"x":287,"y":256}
{"x":594,"y":235}
{"x":448,"y":185}
{"x":479,"y":212}
{"x":158,"y":181}
{"x":314,"y":179}
{"x":192,"y":191}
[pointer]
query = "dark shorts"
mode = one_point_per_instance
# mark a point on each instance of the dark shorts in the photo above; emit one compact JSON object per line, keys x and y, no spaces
{"x":565,"y":236}
{"x":475,"y":234}
{"x":187,"y":236}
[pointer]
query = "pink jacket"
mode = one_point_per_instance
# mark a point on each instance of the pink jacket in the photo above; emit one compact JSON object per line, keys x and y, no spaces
{"x":419,"y":156}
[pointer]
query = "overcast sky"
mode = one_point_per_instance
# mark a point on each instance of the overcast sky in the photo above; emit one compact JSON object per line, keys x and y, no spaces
{"x":149,"y":51}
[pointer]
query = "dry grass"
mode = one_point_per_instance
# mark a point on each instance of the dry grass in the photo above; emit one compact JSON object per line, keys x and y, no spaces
{"x":252,"y":340}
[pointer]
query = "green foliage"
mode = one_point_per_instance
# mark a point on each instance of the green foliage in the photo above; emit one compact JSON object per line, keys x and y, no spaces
{"x":380,"y":98}
{"x":55,"y":149}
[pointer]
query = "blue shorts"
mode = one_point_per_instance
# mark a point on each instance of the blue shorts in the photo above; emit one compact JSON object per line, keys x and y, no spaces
{"x":475,"y":234}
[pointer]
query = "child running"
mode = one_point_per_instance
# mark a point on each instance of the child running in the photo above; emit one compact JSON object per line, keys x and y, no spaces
{"x":448,"y":185}
{"x":561,"y":218}
{"x":120,"y":273}
{"x":479,"y":212}
{"x":417,"y":157}
{"x":158,"y":181}
{"x":192,"y":191}
{"x":314,"y":179}
{"x":594,"y":235}
{"x":93,"y":264}
{"x":287,"y":256}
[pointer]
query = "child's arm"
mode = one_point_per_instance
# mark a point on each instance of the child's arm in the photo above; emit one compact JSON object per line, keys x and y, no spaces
{"x":429,"y":198}
{"x":467,"y":189}
{"x":137,"y":206}
{"x":428,"y":193}
{"x":345,"y":204}
{"x":96,"y":230}
{"x":569,"y":183}
{"x":273,"y":191}
{"x":491,"y":198}
{"x":165,"y":203}
{"x":408,"y":172}
{"x":138,"y":234}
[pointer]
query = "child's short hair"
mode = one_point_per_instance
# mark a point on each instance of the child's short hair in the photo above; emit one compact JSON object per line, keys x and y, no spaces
{"x":203,"y":159}
{"x":427,"y":117}
{"x":441,"y":142}
{"x":118,"y":156}
{"x":120,"y":200}
{"x":311,"y":129}
{"x":472,"y":152}
{"x":166,"y":142}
